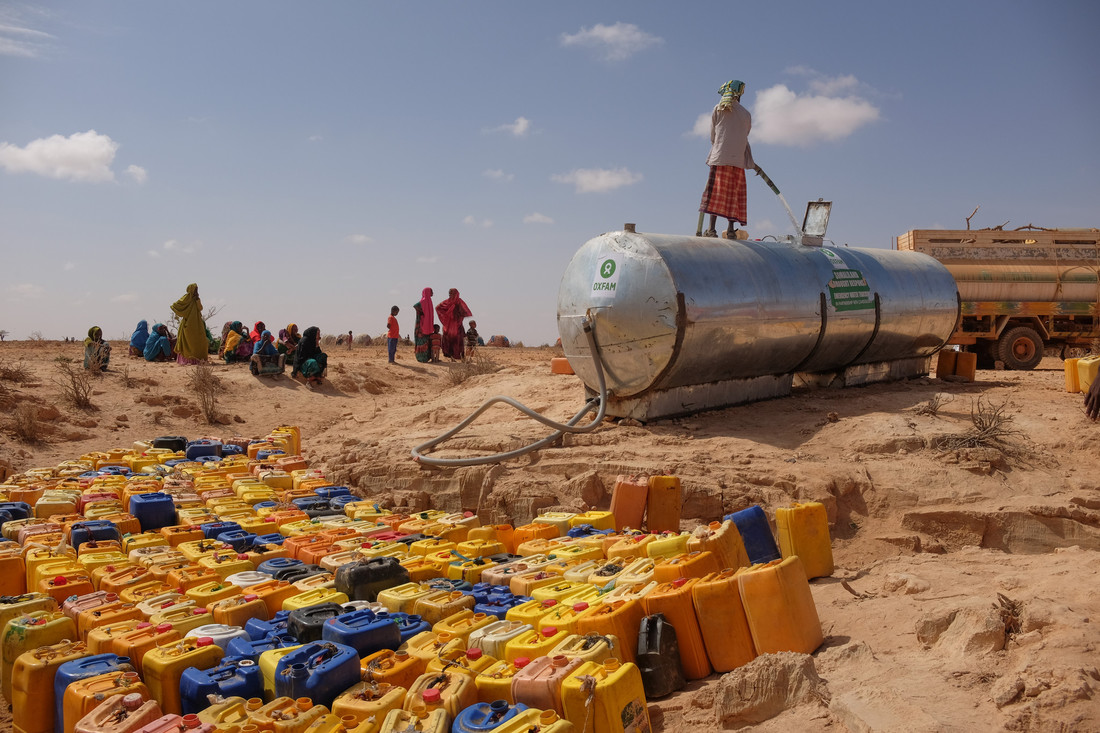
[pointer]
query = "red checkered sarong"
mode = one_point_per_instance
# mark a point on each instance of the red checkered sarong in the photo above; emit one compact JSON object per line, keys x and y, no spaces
{"x":725,"y":195}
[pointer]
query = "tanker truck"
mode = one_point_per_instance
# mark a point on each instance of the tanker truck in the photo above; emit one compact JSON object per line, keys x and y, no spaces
{"x":1020,"y":291}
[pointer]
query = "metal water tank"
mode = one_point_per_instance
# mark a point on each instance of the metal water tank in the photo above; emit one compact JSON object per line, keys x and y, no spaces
{"x":689,"y":323}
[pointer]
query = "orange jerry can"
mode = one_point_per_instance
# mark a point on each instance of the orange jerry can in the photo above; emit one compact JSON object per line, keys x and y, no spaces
{"x":780,"y":607}
{"x":369,"y":698}
{"x":534,"y":531}
{"x":13,"y":572}
{"x":628,"y":501}
{"x":115,"y":579}
{"x":135,"y":643}
{"x":538,"y":685}
{"x":28,"y":632}
{"x":236,"y":611}
{"x":621,"y":618}
{"x":63,"y":585}
{"x":100,"y":639}
{"x":32,"y":698}
{"x":398,"y":668}
{"x":273,"y":593}
{"x":464,"y":623}
{"x":286,"y":715}
{"x":84,"y":696}
{"x":663,"y":501}
{"x":803,"y":530}
{"x":106,"y":615}
{"x":723,"y":539}
{"x":674,"y":601}
{"x":686,"y":565}
{"x":722,"y":620}
{"x":503,"y":533}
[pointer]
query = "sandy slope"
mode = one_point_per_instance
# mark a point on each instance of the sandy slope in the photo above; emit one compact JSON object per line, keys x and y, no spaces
{"x":925,"y":539}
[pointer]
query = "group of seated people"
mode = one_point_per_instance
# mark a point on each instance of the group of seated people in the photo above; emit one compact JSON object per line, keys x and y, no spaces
{"x":155,"y":345}
{"x":265,"y":355}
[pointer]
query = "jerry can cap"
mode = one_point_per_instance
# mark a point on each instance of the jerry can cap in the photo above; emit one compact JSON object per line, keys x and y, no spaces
{"x":679,"y":582}
{"x":550,"y":602}
{"x":431,"y":695}
{"x":242,"y":556}
{"x":161,"y":628}
{"x":580,"y":606}
{"x":521,"y":662}
{"x":473,"y":654}
{"x":144,"y":625}
{"x":133,"y":701}
{"x":251,"y":597}
{"x":198,"y":611}
{"x":60,"y":580}
{"x":549,"y":631}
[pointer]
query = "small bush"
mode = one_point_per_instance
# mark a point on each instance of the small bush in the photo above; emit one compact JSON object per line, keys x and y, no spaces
{"x":18,"y":373}
{"x":75,"y":382}
{"x":207,"y":386}
{"x":476,"y":363}
{"x":25,"y":423}
{"x":992,"y":428}
{"x":932,"y":407}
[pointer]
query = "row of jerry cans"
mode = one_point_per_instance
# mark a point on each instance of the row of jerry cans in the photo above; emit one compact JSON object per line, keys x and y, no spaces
{"x":802,"y":528}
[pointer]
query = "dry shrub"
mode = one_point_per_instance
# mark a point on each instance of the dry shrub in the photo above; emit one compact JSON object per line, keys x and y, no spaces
{"x":18,"y":373}
{"x":992,"y":428}
{"x":128,"y":381}
{"x":932,"y":407}
{"x":75,"y":382}
{"x":476,"y":363}
{"x":25,"y":423}
{"x":207,"y":386}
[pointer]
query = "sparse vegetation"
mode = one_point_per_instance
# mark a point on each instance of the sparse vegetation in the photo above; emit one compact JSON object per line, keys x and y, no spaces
{"x":207,"y":387}
{"x":992,"y":428}
{"x":932,"y":407}
{"x":1010,"y":613}
{"x":18,"y":373}
{"x":476,"y":363}
{"x":75,"y":382}
{"x":25,"y":423}
{"x":127,"y":380}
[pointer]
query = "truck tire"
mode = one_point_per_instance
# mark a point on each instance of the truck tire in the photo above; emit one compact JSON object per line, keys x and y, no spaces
{"x":1020,"y":348}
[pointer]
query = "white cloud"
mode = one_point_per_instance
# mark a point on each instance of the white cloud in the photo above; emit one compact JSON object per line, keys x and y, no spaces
{"x":762,"y":227}
{"x":422,"y":260}
{"x":519,"y":128}
{"x":614,"y":42}
{"x":497,"y":175}
{"x":537,"y":218}
{"x":471,"y":221}
{"x":22,"y":291}
{"x":316,"y":138}
{"x":701,"y":128}
{"x":69,"y":266}
{"x":124,"y":298}
{"x":173,"y":246}
{"x":358,"y":239}
{"x":83,"y":156}
{"x":22,"y":42}
{"x":137,"y":173}
{"x":784,"y":117}
{"x":597,"y":180}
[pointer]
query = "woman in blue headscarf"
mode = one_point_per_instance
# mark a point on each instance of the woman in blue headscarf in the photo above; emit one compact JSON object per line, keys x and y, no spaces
{"x":138,"y":339}
{"x":158,"y":347}
{"x":266,"y":358}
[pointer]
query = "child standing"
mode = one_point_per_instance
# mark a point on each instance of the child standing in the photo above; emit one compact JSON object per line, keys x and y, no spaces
{"x":471,"y":337}
{"x":437,"y":343}
{"x":393,"y":333}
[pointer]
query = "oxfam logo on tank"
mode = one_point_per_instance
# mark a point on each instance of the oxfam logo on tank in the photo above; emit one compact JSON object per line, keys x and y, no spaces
{"x":606,"y":280}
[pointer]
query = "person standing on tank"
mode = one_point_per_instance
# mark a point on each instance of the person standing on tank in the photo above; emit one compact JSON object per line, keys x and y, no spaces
{"x":730,"y":154}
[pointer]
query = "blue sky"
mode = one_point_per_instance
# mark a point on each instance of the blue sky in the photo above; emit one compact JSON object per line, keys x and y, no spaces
{"x":318,"y":162}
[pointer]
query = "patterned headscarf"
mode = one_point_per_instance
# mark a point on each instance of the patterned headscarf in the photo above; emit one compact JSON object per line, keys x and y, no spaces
{"x":731,"y":90}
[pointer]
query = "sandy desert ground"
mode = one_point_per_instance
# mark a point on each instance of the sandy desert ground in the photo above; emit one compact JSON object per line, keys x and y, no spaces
{"x":966,"y":584}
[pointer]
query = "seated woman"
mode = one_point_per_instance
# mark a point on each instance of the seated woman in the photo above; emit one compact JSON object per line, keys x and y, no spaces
{"x":258,"y":329}
{"x":288,"y":340}
{"x":158,"y":347}
{"x":97,"y":352}
{"x":266,"y":359}
{"x":309,"y":360}
{"x":236,"y":346}
{"x":138,"y":339}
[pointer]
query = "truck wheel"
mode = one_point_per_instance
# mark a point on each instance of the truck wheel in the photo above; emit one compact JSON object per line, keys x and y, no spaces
{"x":1020,"y":348}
